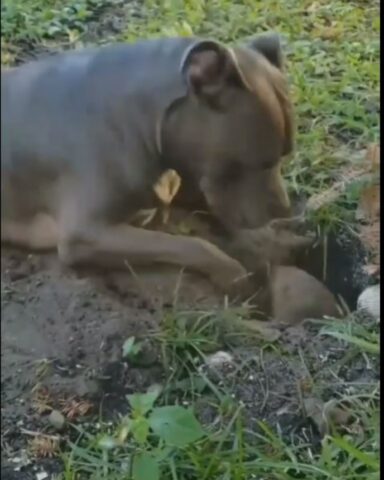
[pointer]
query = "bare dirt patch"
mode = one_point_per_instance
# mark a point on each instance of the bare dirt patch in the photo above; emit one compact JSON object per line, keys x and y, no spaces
{"x":76,"y":324}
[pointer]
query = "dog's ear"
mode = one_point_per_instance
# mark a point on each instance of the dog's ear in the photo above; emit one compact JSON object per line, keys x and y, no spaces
{"x":268,"y":44}
{"x":207,"y":68}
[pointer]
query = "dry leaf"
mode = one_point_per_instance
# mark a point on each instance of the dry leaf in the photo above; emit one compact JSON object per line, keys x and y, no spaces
{"x":165,"y":189}
{"x":42,"y":401}
{"x":370,"y":237}
{"x":369,"y":204}
{"x":167,"y":186}
{"x":371,"y":165}
{"x":372,"y":270}
{"x":43,"y":446}
{"x":373,"y":157}
{"x":73,"y":408}
{"x":369,"y":211}
{"x":333,"y":193}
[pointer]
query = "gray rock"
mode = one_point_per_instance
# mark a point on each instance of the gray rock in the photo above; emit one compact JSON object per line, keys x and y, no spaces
{"x":56,"y":420}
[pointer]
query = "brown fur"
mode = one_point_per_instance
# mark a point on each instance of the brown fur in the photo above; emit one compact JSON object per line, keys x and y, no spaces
{"x":269,"y":84}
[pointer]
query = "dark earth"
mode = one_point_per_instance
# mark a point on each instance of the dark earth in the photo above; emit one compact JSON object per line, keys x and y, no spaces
{"x":64,"y":331}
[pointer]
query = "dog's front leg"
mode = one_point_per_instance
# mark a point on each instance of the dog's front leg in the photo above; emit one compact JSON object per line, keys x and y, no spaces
{"x":115,"y":246}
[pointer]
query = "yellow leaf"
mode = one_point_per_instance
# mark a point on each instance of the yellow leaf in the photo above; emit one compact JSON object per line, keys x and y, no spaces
{"x":167,"y":186}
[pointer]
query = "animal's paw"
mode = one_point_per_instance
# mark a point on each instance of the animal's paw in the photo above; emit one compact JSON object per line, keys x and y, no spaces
{"x":240,"y":284}
{"x":289,"y":234}
{"x":277,"y":243}
{"x":227,"y":274}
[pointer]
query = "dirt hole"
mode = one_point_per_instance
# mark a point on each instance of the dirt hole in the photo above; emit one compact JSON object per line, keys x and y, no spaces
{"x":337,"y":260}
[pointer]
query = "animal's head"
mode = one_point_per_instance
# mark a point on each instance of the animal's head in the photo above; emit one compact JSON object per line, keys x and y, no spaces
{"x":234,"y":128}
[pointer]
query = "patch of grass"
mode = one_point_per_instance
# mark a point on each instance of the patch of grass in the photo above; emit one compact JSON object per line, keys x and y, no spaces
{"x":34,"y":21}
{"x":227,"y":448}
{"x":362,"y":338}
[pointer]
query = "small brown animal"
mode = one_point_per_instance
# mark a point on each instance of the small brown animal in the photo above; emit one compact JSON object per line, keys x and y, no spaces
{"x":296,"y":296}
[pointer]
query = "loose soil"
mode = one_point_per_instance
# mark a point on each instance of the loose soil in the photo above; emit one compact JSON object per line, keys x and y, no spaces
{"x":63,"y":331}
{"x":77,"y":322}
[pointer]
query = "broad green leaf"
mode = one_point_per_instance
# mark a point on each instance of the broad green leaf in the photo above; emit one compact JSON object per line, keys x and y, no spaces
{"x":175,"y":425}
{"x":142,"y":403}
{"x":145,"y":467}
{"x":140,"y":429}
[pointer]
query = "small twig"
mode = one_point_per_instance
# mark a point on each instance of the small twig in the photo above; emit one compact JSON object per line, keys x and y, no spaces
{"x":177,"y":288}
{"x":266,"y":390}
{"x":32,"y":433}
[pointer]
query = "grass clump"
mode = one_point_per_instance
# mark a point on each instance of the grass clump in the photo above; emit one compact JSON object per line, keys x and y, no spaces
{"x":158,"y":440}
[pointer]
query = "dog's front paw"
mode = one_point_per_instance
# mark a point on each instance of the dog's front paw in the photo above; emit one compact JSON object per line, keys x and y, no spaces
{"x":274,"y":244}
{"x":226,"y":275}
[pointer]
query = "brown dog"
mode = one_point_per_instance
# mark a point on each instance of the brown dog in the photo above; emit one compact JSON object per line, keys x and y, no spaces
{"x":86,"y":134}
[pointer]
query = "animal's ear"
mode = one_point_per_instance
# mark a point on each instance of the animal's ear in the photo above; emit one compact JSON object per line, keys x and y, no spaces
{"x":207,"y":68}
{"x":268,"y":44}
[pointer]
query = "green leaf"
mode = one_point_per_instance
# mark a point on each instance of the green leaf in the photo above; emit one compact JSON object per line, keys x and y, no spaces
{"x":108,"y":443}
{"x":363,"y":344}
{"x":130,"y":348}
{"x":365,"y":458}
{"x":140,"y":429}
{"x":175,"y":425}
{"x":145,"y":467}
{"x":142,"y":403}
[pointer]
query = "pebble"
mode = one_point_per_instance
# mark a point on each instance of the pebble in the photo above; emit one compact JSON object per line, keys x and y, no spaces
{"x":219,"y":359}
{"x":369,"y":301}
{"x":56,"y":419}
{"x":41,"y":475}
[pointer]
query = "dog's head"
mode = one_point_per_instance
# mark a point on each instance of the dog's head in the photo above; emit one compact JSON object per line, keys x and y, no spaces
{"x":237,"y":128}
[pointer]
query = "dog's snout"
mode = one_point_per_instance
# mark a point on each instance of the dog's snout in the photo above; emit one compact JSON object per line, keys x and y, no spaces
{"x":279,"y":210}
